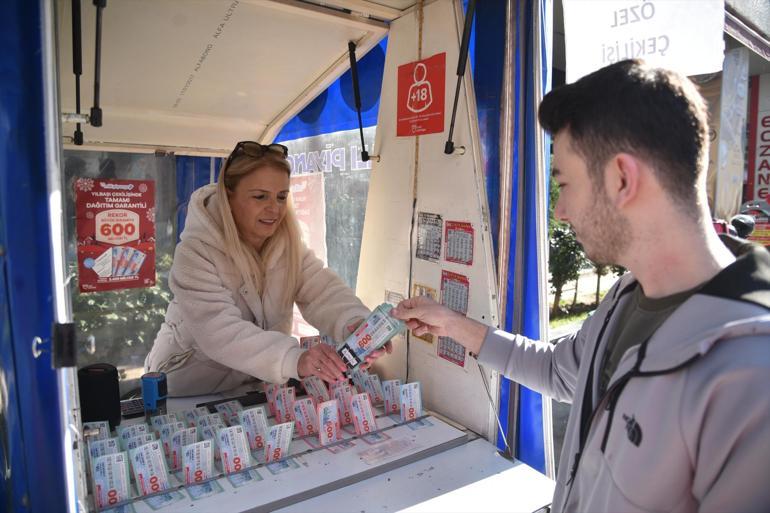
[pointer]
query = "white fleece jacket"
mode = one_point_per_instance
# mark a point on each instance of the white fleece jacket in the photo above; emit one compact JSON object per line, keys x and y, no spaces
{"x":218,"y":331}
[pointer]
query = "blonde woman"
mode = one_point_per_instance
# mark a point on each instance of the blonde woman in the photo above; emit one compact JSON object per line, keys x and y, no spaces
{"x":238,"y":271}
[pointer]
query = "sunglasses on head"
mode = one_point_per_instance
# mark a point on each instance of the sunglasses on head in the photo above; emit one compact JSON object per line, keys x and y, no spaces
{"x":256,"y":150}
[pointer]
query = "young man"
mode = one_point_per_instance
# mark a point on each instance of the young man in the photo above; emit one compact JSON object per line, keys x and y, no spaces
{"x":669,"y":380}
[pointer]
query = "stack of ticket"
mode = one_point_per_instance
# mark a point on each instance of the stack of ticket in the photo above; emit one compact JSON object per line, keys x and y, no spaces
{"x":328,"y":422}
{"x":150,"y":470}
{"x":198,"y":462}
{"x":363,"y":416}
{"x":278,"y":441}
{"x":229,"y":411}
{"x":411,"y":401}
{"x":391,"y":390}
{"x":233,"y":449}
{"x":125,"y":433}
{"x":305,"y":416}
{"x":111,"y":481}
{"x":284,"y":404}
{"x":316,"y":388}
{"x":180,"y":439}
{"x":342,"y":393}
{"x":254,"y":421}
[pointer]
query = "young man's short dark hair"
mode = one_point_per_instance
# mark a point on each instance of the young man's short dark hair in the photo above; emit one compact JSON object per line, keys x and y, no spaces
{"x":629,"y":107}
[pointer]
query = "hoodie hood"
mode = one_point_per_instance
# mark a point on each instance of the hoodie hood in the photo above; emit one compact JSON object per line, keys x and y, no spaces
{"x":739,"y":291}
{"x":204,"y":223}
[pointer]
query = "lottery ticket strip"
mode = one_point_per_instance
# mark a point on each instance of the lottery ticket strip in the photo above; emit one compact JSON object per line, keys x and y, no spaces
{"x":310,"y":470}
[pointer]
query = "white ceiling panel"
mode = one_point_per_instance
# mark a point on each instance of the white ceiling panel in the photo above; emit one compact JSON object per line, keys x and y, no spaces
{"x":198,"y":75}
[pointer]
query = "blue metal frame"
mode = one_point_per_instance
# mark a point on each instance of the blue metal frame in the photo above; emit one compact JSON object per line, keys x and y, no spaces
{"x":36,"y":453}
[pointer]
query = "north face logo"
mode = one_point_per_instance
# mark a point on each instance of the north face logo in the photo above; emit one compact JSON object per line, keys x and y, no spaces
{"x":633,"y":430}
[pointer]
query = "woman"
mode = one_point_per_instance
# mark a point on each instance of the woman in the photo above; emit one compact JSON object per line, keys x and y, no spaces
{"x":238,"y":270}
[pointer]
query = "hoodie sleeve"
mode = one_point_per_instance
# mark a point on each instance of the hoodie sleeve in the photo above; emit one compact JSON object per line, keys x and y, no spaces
{"x":725,"y":419}
{"x":218,"y":326}
{"x":549,"y":369}
{"x":325,"y":300}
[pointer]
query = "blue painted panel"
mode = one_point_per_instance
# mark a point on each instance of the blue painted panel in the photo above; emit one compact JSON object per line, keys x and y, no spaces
{"x":334,"y":110}
{"x":191,"y":174}
{"x":24,"y":205}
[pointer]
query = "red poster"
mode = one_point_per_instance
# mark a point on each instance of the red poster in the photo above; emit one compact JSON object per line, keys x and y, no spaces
{"x":116,"y":233}
{"x":420,"y":107}
{"x":307,"y":195}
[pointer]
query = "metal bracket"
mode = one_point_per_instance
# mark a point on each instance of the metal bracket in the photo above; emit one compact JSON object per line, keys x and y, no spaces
{"x":36,"y":349}
{"x":64,"y":350}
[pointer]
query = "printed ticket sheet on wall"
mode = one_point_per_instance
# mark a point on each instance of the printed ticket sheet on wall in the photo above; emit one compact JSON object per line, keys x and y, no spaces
{"x":454,"y":295}
{"x":458,"y":242}
{"x":429,"y":227}
{"x":115,"y":233}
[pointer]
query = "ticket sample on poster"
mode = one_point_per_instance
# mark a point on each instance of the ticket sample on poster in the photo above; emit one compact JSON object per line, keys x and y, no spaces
{"x":458,"y":242}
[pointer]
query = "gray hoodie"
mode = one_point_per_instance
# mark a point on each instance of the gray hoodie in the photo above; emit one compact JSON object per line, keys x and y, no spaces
{"x":685,"y":423}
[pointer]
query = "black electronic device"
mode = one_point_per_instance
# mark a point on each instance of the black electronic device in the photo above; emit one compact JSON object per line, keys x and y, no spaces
{"x":99,"y":393}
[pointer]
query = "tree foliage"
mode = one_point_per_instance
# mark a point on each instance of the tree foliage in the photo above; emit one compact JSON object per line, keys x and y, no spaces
{"x":566,"y":258}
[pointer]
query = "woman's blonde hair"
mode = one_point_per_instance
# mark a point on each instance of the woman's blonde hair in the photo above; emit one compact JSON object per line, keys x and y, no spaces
{"x":250,"y":262}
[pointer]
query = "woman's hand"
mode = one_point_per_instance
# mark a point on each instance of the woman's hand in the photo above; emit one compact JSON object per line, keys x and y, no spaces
{"x":323,"y":361}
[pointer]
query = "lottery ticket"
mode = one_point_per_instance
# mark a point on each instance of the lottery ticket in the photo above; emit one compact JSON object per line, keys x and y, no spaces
{"x":165,"y":432}
{"x":210,"y":433}
{"x":159,"y":420}
{"x":180,"y":439}
{"x":157,"y":502}
{"x":308,"y":342}
{"x":98,"y":448}
{"x":391,"y":390}
{"x":372,"y":334}
{"x":363,"y":416}
{"x":343,"y":394}
{"x":134,"y":263}
{"x":359,"y":377}
{"x":254,"y":421}
{"x":278,"y":441}
{"x":229,"y":410}
{"x":244,"y":478}
{"x":204,"y":490}
{"x":135,"y":442}
{"x":99,"y":430}
{"x":316,"y":388}
{"x":282,"y":466}
{"x":117,"y":252}
{"x":111,"y":483}
{"x":191,"y":416}
{"x":198,"y":461}
{"x":211,"y":419}
{"x":149,"y":466}
{"x":329,"y":423}
{"x":125,"y":256}
{"x":125,"y":433}
{"x":305,"y":417}
{"x":411,"y":401}
{"x":284,"y":404}
{"x":102,"y":447}
{"x":271,"y":390}
{"x":233,"y":449}
{"x":373,"y":387}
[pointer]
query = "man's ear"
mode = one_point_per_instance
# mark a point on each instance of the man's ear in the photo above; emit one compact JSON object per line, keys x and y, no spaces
{"x":622,"y":179}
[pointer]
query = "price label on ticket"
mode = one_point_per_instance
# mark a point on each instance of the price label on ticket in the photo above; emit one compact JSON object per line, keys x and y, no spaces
{"x":373,"y":387}
{"x":316,"y":389}
{"x":99,"y":429}
{"x":229,"y":410}
{"x":391,"y":390}
{"x":363,"y":416}
{"x":411,"y":401}
{"x":328,"y":422}
{"x":111,"y":483}
{"x":305,"y":417}
{"x":233,"y":449}
{"x":180,"y":439}
{"x":125,"y":433}
{"x":342,"y":394}
{"x":284,"y":405}
{"x":149,"y":466}
{"x":254,"y":421}
{"x":278,"y":441}
{"x":198,"y":462}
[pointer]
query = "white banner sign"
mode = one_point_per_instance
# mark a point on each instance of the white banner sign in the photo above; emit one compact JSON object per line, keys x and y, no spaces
{"x":682,"y":35}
